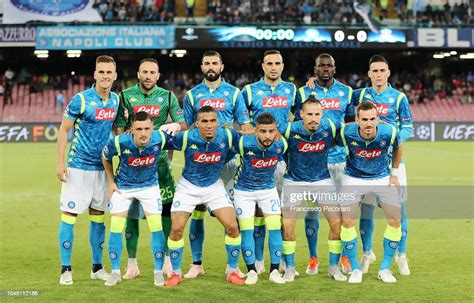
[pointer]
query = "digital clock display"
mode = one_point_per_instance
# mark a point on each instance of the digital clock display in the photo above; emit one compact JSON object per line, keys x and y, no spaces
{"x":279,"y":34}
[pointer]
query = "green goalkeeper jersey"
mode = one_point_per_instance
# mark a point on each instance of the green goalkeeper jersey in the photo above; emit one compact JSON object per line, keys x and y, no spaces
{"x":158,"y":103}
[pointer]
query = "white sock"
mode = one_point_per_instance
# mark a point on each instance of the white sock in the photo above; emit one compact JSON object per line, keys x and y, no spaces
{"x":132,"y":261}
{"x":116,"y":271}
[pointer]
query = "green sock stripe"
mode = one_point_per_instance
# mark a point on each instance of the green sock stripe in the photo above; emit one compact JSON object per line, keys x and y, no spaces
{"x":68,"y":219}
{"x":246,"y":223}
{"x":233,"y":241}
{"x":97,"y":218}
{"x":393,"y":233}
{"x":198,"y":215}
{"x":335,"y":246}
{"x":154,"y":223}
{"x":273,"y":222}
{"x":289,"y":247}
{"x":259,"y":221}
{"x":175,"y":244}
{"x":348,"y":234}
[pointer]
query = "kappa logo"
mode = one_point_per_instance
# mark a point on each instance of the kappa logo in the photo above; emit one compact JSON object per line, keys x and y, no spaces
{"x":296,"y":136}
{"x":353,"y":143}
{"x":250,"y":153}
{"x":133,"y":99}
{"x":260,"y":92}
{"x":368,"y":96}
{"x":200,"y":95}
{"x":93,"y":103}
{"x":193,"y":146}
{"x":127,"y":152}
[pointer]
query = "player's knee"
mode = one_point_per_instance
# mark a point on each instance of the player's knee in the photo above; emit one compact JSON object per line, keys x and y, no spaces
{"x":289,"y":230}
{"x":335,"y":227}
{"x":348,"y":223}
{"x":95,"y":212}
{"x":232,"y":229}
{"x":394,"y":222}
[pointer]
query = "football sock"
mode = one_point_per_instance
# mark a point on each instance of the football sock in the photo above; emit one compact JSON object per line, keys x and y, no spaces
{"x":391,"y":238}
{"x":132,"y":233}
{"x":259,"y":237}
{"x":157,"y":240}
{"x":176,"y":254}
{"x":115,"y":241}
{"x":232,"y":246}
{"x":248,"y":242}
{"x":275,"y":241}
{"x":402,"y":246}
{"x":349,"y":243}
{"x":366,"y":226}
{"x":335,"y":249}
{"x":311,"y":227}
{"x":97,"y":237}
{"x":196,"y":234}
{"x":289,"y":253}
{"x":66,"y":238}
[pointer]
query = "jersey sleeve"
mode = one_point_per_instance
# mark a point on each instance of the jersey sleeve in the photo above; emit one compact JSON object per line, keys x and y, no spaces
{"x":120,"y":121}
{"x":177,"y":141}
{"x":354,"y":102}
{"x":188,"y":108}
{"x":165,"y":140}
{"x":75,"y":108}
{"x":340,"y":138}
{"x":405,"y":118}
{"x":396,"y":140}
{"x":245,"y":96}
{"x":300,"y":97}
{"x":110,"y":150}
{"x":241,"y":113}
{"x":175,"y":110}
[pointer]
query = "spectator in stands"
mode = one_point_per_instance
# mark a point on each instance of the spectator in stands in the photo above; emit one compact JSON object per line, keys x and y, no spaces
{"x":9,"y":81}
{"x":189,"y":10}
{"x":59,"y":102}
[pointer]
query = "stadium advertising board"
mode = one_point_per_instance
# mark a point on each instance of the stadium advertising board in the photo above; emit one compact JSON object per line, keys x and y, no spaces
{"x":443,"y":37}
{"x":17,"y":35}
{"x":311,"y":37}
{"x":104,"y":37}
{"x":443,"y":131}
{"x":30,"y":132}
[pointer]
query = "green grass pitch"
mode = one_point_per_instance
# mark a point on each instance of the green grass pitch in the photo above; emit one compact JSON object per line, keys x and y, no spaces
{"x":440,"y":250}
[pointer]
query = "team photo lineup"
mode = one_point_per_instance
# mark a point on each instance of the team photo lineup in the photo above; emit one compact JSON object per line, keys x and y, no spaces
{"x":253,"y":159}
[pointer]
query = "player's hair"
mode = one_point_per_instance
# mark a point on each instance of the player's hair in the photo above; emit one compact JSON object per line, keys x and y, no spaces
{"x":271,"y":52}
{"x":211,"y":53}
{"x":377,"y":58}
{"x":266,"y":119}
{"x":311,"y":100}
{"x":104,"y":59}
{"x":205,"y":109}
{"x":366,"y":105}
{"x":153,"y":60}
{"x":141,"y":116}
{"x":324,"y":55}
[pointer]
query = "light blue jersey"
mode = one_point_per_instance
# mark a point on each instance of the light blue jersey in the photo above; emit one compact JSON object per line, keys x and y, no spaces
{"x":335,"y":101}
{"x":203,"y":160}
{"x":258,"y":164}
{"x":368,"y":159}
{"x":93,"y":119}
{"x":138,"y":166}
{"x":260,"y":97}
{"x":308,"y":153}
{"x":225,"y":99}
{"x":392,"y":107}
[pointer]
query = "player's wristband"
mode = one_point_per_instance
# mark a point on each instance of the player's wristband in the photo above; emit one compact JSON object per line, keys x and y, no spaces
{"x":394,"y":172}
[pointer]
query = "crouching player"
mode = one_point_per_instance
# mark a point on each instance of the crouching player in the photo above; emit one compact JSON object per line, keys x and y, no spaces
{"x":308,"y":179}
{"x":136,"y":178}
{"x":206,"y":149}
{"x":255,"y":185}
{"x":369,"y":144}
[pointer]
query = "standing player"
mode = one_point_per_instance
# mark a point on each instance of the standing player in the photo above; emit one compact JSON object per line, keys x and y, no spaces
{"x":392,"y":108}
{"x":159,"y":103}
{"x":136,"y":179}
{"x":255,"y":186}
{"x":335,"y":99}
{"x":309,"y":145}
{"x":273,"y":95}
{"x":370,"y":146}
{"x":229,"y":106}
{"x":206,"y":149}
{"x":91,"y":113}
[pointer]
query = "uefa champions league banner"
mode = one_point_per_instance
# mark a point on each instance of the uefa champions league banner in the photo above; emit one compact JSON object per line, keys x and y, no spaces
{"x":443,"y":131}
{"x":22,"y":11}
{"x":105,"y":37}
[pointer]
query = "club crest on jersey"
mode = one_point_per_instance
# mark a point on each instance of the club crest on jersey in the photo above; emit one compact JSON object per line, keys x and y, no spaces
{"x":264,"y":163}
{"x":156,"y":148}
{"x":391,"y":100}
{"x":278,"y":150}
{"x":287,"y":90}
{"x":325,"y":134}
{"x":311,"y":147}
{"x":330,"y":104}
{"x":341,"y":93}
{"x":226,"y":93}
{"x":222,"y":145}
{"x":382,"y":143}
{"x":209,"y":158}
{"x":152,"y":110}
{"x":105,"y":114}
{"x":159,"y":99}
{"x":217,"y":104}
{"x":369,"y":153}
{"x":275,"y":102}
{"x":142,"y":161}
{"x":382,"y":109}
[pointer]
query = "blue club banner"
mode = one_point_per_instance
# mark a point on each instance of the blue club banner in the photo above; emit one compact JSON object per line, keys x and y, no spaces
{"x":105,"y":37}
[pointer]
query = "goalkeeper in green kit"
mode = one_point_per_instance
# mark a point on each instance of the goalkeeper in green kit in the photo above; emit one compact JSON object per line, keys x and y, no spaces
{"x":159,"y":103}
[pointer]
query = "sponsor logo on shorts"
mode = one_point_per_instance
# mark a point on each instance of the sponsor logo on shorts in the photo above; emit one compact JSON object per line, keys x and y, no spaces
{"x":265,"y":162}
{"x":209,"y":158}
{"x":369,"y":153}
{"x":105,"y":114}
{"x":67,"y":244}
{"x":217,"y":104}
{"x":275,"y":102}
{"x":152,"y":110}
{"x":382,"y":109}
{"x":142,"y":161}
{"x":330,"y":104}
{"x":235,"y":253}
{"x":311,"y":147}
{"x":113,"y":255}
{"x":71,"y":204}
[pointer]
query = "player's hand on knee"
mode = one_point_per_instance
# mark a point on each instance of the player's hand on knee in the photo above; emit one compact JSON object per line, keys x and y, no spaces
{"x":394,"y":181}
{"x":61,"y":172}
{"x":311,"y":82}
{"x":112,"y":189}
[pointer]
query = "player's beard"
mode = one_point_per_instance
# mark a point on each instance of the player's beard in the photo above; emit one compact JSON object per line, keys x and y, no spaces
{"x":211,"y":78}
{"x":266,"y":143}
{"x":313,"y":127}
